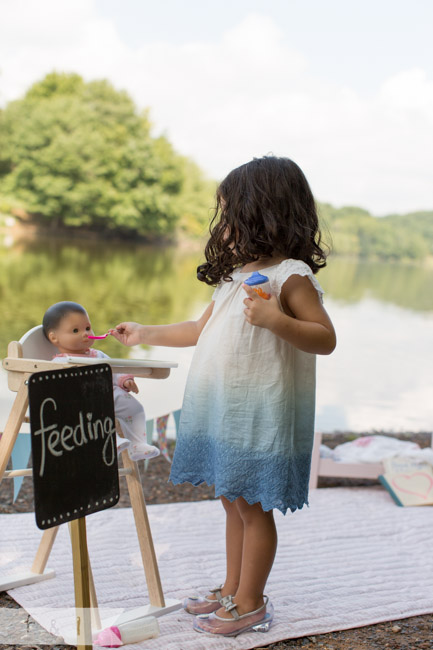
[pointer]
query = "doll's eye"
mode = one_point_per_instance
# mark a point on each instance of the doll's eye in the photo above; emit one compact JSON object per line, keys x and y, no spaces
{"x":88,"y":328}
{"x":75,"y":330}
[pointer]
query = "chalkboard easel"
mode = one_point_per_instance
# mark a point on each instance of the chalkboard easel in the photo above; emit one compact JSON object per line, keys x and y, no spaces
{"x":73,"y":431}
{"x":75,"y":473}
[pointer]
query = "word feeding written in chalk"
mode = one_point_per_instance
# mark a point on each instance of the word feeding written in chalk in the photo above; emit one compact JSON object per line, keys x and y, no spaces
{"x":73,"y":443}
{"x":57,"y":442}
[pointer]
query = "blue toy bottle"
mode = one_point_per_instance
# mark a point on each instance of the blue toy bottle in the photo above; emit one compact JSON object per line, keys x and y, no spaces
{"x":260,"y":283}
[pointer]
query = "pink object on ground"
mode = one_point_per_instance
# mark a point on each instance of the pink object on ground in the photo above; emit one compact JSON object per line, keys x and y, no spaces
{"x":146,"y":627}
{"x":109,"y":638}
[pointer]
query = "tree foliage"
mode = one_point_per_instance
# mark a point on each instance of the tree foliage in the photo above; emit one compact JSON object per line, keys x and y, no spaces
{"x":354,"y":231}
{"x":79,"y":154}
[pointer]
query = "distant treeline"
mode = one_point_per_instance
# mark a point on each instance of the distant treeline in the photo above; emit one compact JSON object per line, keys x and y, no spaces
{"x":80,"y":156}
{"x":354,"y":231}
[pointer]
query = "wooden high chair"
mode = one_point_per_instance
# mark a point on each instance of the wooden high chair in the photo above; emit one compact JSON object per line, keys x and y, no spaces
{"x":31,"y":354}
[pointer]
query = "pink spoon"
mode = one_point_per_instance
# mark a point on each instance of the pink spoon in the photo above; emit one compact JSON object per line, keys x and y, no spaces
{"x":104,"y":336}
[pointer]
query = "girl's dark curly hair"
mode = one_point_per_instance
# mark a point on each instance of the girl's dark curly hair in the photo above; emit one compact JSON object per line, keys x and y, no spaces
{"x":263,"y":208}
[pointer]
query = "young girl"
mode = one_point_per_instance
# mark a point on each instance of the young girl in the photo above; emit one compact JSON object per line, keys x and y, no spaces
{"x":67,"y":326}
{"x":247,"y":421}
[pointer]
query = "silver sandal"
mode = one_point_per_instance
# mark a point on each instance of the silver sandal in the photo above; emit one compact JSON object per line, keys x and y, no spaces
{"x":202,"y":605}
{"x":259,"y":620}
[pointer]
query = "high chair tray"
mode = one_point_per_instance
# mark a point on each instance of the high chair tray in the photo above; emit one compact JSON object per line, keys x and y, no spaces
{"x":136,"y":363}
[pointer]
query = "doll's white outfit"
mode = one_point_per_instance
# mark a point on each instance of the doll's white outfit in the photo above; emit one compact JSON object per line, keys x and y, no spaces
{"x":128,"y":411}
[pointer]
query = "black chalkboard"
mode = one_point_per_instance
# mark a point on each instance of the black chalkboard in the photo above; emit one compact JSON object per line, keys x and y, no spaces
{"x":75,"y":471}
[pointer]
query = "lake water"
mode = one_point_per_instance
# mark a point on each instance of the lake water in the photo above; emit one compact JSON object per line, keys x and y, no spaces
{"x":380,"y":376}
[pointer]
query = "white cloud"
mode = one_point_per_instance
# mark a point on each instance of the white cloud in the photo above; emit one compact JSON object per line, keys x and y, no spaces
{"x":409,"y":91}
{"x":245,"y":94}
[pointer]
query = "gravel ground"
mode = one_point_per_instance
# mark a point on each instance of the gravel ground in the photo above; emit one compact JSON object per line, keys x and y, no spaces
{"x":414,"y":633}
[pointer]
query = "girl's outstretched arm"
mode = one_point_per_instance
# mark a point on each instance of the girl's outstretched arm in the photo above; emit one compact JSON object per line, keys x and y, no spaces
{"x":304,"y":322}
{"x":175,"y":335}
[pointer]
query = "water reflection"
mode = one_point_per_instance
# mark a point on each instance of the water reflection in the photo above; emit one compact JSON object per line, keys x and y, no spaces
{"x":379,"y":377}
{"x":114,"y":282}
{"x":399,"y":284}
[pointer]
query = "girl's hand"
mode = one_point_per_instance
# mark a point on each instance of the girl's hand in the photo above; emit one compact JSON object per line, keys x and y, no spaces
{"x":128,"y":333}
{"x":259,"y":311}
{"x":130,"y":386}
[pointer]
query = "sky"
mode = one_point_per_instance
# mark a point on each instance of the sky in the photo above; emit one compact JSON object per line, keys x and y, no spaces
{"x":344,"y":88}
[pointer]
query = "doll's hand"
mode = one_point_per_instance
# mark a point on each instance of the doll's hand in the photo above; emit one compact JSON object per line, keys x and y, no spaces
{"x":259,"y":311}
{"x":127,"y":333}
{"x":130,"y":386}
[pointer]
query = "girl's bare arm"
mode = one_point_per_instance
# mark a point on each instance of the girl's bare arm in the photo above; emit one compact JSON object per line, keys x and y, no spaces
{"x":176,"y":335}
{"x":304,"y":322}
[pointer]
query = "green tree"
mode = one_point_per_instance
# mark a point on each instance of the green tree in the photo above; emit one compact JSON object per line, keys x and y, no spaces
{"x":355,"y":232}
{"x":197,"y":200}
{"x":79,"y":154}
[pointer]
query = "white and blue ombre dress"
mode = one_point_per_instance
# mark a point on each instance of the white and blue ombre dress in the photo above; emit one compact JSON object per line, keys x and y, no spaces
{"x":247,"y":422}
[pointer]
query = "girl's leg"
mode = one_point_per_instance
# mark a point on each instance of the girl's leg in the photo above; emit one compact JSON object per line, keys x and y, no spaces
{"x":258,"y":553}
{"x":234,"y":546}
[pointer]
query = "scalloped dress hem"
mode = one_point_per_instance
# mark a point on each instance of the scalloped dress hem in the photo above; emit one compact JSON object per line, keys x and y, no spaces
{"x":250,"y":500}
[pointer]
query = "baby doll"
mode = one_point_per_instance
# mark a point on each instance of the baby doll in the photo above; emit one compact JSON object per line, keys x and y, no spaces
{"x":67,"y":326}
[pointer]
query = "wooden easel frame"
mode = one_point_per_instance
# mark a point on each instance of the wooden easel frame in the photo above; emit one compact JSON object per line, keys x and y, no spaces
{"x":19,"y":370}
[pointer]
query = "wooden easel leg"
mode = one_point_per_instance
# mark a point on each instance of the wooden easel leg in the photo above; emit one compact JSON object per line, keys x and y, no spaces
{"x":80,"y":558}
{"x":44,"y":550}
{"x":40,"y":562}
{"x":36,"y":573}
{"x":138,"y":504}
{"x":13,"y":425}
{"x":94,"y":611}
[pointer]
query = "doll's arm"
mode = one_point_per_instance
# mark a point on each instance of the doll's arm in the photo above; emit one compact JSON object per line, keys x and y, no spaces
{"x":127,"y":383}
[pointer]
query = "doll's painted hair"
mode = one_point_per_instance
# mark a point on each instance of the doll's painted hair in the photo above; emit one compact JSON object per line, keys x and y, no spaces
{"x":264,"y":207}
{"x":54,"y":315}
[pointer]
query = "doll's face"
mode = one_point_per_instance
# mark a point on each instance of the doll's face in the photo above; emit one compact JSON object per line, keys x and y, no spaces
{"x":71,"y":336}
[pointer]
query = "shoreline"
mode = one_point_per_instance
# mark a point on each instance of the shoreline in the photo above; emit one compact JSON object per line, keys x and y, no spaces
{"x":13,"y":230}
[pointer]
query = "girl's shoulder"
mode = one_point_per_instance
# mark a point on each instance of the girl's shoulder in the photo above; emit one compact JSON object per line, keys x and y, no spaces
{"x":279,"y":273}
{"x":289,"y":267}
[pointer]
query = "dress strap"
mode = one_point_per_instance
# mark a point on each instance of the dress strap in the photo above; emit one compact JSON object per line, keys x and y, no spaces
{"x":292,"y":267}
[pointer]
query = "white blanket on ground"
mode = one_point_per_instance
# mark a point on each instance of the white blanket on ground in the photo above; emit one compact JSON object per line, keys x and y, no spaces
{"x":375,"y":449}
{"x":353,"y":558}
